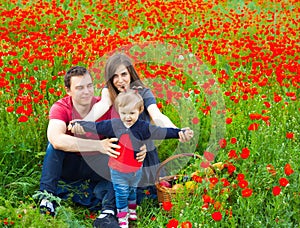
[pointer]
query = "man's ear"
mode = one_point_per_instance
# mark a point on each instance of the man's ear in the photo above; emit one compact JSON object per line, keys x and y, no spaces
{"x":67,"y":90}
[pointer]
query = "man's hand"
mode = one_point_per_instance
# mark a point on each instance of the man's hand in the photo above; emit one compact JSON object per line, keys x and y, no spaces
{"x":108,"y":147}
{"x":140,"y":156}
{"x":186,"y":135}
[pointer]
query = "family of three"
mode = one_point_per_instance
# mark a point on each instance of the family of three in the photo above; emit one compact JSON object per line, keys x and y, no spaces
{"x":101,"y":150}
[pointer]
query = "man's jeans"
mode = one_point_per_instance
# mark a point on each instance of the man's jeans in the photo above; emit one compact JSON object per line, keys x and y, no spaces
{"x":125,"y":186}
{"x":76,"y":173}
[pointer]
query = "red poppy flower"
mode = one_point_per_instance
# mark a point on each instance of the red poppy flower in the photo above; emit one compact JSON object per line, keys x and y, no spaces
{"x":247,"y":192}
{"x":277,"y":98}
{"x":288,"y":169}
{"x":186,"y":224}
{"x":23,"y":119}
{"x":267,"y":104}
{"x":159,"y":105}
{"x":205,"y":206}
{"x":205,"y":164}
{"x":209,"y":156}
{"x":213,"y":180}
{"x":276,"y":190}
{"x":233,"y":140}
{"x":240,"y":176}
{"x":197,"y":178}
{"x":217,"y":216}
{"x":173,"y":223}
{"x":222,"y":143}
{"x":167,"y":206}
{"x":228,"y":120}
{"x":245,"y":153}
{"x":231,"y":169}
{"x":225,"y":182}
{"x":255,"y":116}
{"x":232,"y":154}
{"x":253,"y":127}
{"x":283,"y":182}
{"x":243,"y":184}
{"x":10,"y":109}
{"x":289,"y":135}
{"x":195,"y":120}
{"x":206,"y":198}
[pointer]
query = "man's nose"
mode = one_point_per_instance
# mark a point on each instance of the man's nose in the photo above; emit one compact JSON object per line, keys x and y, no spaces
{"x":86,"y":89}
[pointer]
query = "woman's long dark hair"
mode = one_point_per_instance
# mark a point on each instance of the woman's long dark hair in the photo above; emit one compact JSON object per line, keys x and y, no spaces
{"x":111,"y":66}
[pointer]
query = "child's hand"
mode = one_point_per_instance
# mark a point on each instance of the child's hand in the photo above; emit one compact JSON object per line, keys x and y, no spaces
{"x":186,"y":134}
{"x":76,"y":128}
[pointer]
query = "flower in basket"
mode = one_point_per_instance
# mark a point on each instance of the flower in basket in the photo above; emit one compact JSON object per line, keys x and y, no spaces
{"x":164,"y":183}
{"x":178,"y":187}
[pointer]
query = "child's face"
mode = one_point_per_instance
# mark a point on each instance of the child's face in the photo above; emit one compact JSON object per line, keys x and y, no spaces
{"x":128,"y":115}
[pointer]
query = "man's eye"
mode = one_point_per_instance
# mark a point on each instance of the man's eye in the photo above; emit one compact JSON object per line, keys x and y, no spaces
{"x":90,"y":86}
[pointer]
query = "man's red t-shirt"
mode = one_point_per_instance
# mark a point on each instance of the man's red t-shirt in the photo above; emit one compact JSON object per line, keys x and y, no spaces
{"x":63,"y":110}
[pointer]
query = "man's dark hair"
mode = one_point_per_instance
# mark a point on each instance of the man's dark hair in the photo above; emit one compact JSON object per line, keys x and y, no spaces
{"x":74,"y":71}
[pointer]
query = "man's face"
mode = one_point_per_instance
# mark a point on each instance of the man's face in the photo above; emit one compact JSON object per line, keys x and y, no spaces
{"x":81,"y":90}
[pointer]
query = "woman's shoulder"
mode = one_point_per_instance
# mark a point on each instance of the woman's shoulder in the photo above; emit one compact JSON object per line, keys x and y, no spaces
{"x":143,"y":91}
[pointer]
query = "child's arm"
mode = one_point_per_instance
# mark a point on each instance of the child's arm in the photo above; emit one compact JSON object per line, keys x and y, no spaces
{"x":100,"y":108}
{"x":102,"y":128}
{"x":168,"y":133}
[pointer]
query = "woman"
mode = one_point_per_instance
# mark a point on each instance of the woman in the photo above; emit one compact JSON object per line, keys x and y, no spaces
{"x":121,"y":75}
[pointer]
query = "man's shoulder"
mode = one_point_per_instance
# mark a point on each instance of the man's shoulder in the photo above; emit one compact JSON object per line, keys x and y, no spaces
{"x":66,"y":101}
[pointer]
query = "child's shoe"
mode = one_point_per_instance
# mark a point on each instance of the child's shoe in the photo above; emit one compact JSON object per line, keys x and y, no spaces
{"x":123,"y":219}
{"x":132,"y":212}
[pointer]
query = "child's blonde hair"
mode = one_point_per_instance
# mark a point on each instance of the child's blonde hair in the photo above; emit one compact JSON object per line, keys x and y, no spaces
{"x":129,"y":98}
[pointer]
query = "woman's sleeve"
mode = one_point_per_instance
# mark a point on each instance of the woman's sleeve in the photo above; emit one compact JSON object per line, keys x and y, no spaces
{"x":148,"y":97}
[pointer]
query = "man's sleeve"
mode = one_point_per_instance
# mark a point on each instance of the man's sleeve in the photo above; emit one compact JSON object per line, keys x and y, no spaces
{"x":59,"y":112}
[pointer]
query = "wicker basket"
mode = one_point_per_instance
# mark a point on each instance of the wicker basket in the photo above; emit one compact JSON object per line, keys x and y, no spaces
{"x":165,"y":194}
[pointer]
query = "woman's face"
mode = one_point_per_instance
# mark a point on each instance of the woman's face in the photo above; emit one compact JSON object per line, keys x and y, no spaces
{"x":121,"y":78}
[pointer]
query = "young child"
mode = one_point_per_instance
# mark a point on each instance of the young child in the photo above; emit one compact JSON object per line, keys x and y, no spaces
{"x":132,"y":133}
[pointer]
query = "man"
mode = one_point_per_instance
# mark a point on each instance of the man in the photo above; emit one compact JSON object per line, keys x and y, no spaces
{"x":80,"y":162}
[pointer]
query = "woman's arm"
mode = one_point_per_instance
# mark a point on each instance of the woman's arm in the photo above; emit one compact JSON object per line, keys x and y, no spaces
{"x":97,"y":111}
{"x":158,"y":118}
{"x":100,"y":108}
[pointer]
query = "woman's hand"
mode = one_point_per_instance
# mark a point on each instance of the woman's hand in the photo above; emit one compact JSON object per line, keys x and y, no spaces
{"x":186,"y":135}
{"x":140,"y":156}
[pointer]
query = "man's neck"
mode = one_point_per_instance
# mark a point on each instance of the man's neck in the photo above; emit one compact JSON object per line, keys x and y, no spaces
{"x":82,"y":110}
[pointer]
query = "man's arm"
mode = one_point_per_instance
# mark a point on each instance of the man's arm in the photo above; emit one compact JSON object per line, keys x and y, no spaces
{"x":57,"y":136}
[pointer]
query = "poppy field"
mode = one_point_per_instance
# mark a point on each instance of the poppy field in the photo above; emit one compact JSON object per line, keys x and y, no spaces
{"x":230,"y":70}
